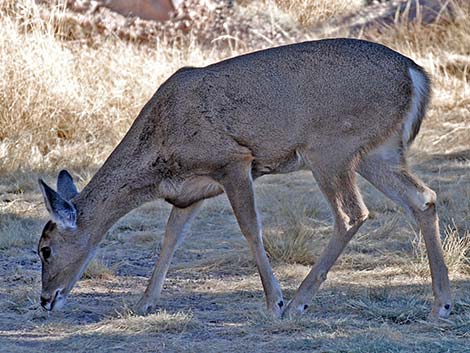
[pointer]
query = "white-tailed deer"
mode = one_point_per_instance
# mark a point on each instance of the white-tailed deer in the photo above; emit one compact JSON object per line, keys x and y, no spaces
{"x":335,"y":107}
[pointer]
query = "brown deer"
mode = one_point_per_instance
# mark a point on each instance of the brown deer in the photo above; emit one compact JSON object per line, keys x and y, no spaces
{"x":335,"y":107}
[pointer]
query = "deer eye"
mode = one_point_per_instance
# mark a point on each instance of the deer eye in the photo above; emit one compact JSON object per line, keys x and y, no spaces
{"x":46,"y":252}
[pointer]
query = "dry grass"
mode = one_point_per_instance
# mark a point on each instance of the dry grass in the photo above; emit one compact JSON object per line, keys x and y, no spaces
{"x":16,"y":231}
{"x":309,"y":12}
{"x":70,"y":102}
{"x":161,"y":322}
{"x":456,"y":246}
{"x":294,"y":235}
{"x":70,"y":87}
{"x":98,"y":269}
{"x":292,"y":245}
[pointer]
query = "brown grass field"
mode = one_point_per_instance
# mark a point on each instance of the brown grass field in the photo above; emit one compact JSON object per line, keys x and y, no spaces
{"x":70,"y":87}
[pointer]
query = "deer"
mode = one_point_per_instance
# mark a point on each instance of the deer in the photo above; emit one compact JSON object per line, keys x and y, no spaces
{"x":335,"y":107}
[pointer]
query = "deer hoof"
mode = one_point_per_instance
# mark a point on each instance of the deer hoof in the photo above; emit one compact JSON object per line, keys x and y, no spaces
{"x":143,"y":307}
{"x":294,"y":310}
{"x":275,"y":310}
{"x":440,"y":311}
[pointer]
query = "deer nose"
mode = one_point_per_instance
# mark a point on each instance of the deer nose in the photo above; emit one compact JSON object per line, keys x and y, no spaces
{"x":48,"y":302}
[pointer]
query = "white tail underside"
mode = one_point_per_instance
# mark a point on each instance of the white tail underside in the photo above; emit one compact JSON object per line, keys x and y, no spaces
{"x":419,"y":93}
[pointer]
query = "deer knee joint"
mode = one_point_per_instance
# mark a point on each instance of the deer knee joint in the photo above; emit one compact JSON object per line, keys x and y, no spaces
{"x":361,"y":218}
{"x":424,"y":199}
{"x":321,"y":277}
{"x":358,"y":218}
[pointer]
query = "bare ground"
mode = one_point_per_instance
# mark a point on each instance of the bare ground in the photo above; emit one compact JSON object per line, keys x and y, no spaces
{"x":376,"y":298}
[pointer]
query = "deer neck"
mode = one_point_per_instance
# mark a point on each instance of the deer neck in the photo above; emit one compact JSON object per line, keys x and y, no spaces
{"x":120,"y":186}
{"x":130,"y":177}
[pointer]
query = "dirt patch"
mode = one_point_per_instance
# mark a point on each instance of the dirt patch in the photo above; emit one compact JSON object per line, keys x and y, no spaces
{"x":213,"y":300}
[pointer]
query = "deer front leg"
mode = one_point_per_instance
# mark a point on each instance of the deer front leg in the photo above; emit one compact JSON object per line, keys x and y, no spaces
{"x":238,"y":185}
{"x":178,"y":222}
{"x":341,"y":236}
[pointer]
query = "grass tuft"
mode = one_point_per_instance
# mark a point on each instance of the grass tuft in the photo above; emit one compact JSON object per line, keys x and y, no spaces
{"x":295,"y":237}
{"x":396,"y":311}
{"x":160,"y":322}
{"x":98,"y":269}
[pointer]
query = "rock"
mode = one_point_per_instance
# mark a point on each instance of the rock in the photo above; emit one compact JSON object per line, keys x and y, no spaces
{"x":156,"y":10}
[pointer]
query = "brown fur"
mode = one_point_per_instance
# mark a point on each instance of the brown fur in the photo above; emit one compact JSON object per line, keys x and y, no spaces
{"x":332,"y":106}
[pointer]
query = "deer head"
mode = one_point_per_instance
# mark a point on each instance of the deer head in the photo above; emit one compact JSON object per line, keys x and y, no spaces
{"x":64,"y":246}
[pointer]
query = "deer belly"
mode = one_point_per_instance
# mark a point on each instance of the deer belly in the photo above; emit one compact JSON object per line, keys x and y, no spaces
{"x":289,"y":163}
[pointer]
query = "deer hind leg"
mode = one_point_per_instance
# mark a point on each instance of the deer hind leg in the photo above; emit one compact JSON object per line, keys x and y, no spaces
{"x":238,"y":185}
{"x":396,"y":182}
{"x":349,"y":214}
{"x":178,"y":222}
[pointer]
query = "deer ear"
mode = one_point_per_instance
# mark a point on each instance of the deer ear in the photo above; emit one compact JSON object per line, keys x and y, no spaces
{"x":62,"y":212}
{"x":65,"y":186}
